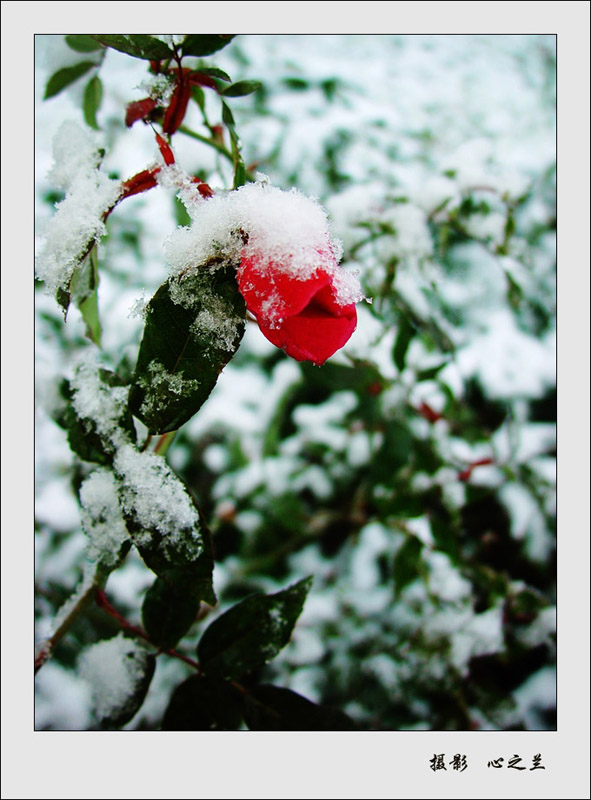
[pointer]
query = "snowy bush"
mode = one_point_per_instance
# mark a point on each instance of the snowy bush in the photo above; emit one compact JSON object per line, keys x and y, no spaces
{"x":296,"y":382}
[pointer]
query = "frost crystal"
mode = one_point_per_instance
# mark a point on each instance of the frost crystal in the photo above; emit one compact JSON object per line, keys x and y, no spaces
{"x":79,"y":217}
{"x":157,"y":499}
{"x":217,"y":322}
{"x":101,"y":516}
{"x":162,"y":385}
{"x":114,"y":668}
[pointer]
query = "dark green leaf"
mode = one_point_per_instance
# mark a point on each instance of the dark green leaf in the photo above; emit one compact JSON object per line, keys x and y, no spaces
{"x":177,"y":562}
{"x":168,"y":611}
{"x":298,"y":84}
{"x":63,"y":299}
{"x":64,"y":77}
{"x":82,"y":43}
{"x":203,"y":704}
{"x":394,"y":452}
{"x":205,"y":44}
{"x":93,"y":95}
{"x":214,"y":72}
{"x":184,"y":349}
{"x":431,"y":372}
{"x":405,"y":333}
{"x":144,"y":664}
{"x":272,"y":708}
{"x":406,"y":564}
{"x":241,"y":88}
{"x":239,"y":174}
{"x":137,"y":45}
{"x":227,"y":116}
{"x":252,"y":632}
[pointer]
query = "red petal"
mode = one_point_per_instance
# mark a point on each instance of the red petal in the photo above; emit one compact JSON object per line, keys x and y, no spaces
{"x":273,"y":293}
{"x":314,"y":334}
{"x":139,"y":110}
{"x":302,"y":316}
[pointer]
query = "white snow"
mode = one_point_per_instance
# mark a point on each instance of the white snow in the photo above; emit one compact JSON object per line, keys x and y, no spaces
{"x":112,"y":668}
{"x":78,"y":220}
{"x":287,"y":232}
{"x":152,"y":493}
{"x":93,"y":400}
{"x":101,"y":516}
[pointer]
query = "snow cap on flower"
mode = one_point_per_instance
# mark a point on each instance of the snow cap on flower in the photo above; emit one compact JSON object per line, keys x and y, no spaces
{"x":288,"y":269}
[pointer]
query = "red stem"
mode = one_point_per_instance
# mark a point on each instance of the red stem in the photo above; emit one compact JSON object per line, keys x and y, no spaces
{"x":102,"y":602}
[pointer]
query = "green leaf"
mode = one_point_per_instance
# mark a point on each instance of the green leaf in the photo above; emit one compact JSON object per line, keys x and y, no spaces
{"x":214,"y":72}
{"x":252,"y":632}
{"x":227,"y":116}
{"x":84,"y":293}
{"x":137,"y":45}
{"x":185,"y":347}
{"x":144,"y":664}
{"x":394,"y":452}
{"x":82,"y":43}
{"x":405,"y":334}
{"x":168,"y":611}
{"x":239,"y":174}
{"x":273,"y":708}
{"x":183,"y":219}
{"x":93,"y":95}
{"x":241,"y":88}
{"x":176,"y":562}
{"x":64,"y":77}
{"x":406,"y":564}
{"x":63,"y":299}
{"x":205,"y":44}
{"x":203,"y":704}
{"x":431,"y":372}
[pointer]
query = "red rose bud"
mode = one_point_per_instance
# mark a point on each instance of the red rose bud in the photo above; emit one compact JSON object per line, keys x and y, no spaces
{"x":303,"y":316}
{"x":177,"y":108}
{"x":139,"y":110}
{"x":165,"y":150}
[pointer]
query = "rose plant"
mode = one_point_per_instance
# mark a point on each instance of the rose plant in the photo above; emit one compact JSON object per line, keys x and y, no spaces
{"x":194,"y":325}
{"x":398,"y":450}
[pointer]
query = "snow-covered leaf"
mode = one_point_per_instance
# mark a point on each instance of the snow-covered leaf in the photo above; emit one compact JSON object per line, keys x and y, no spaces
{"x":119,"y":670}
{"x":188,"y":339}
